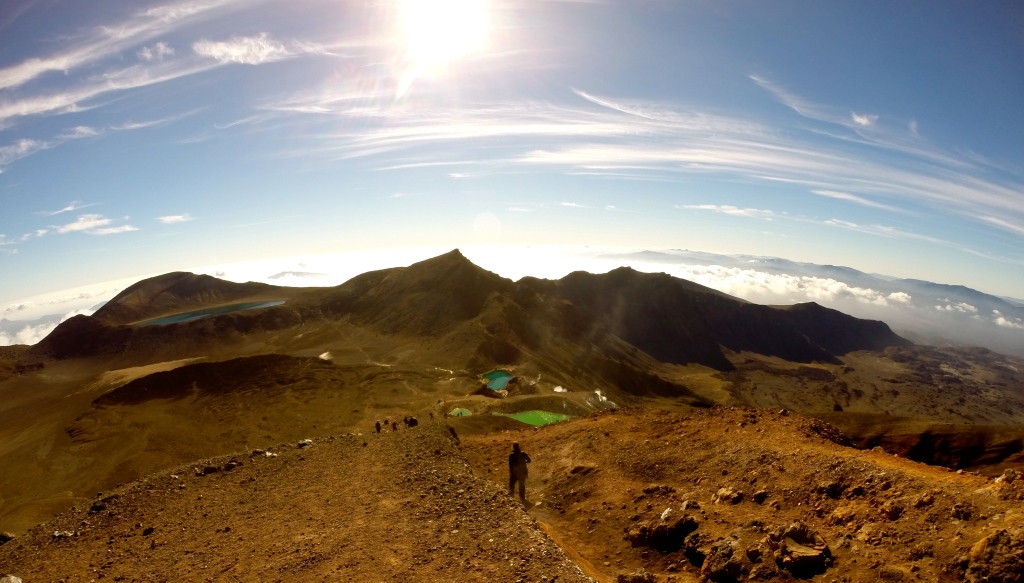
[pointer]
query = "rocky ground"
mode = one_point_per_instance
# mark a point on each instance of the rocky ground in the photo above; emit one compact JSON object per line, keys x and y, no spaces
{"x":740,"y":494}
{"x":631,"y":496}
{"x":394,"y":506}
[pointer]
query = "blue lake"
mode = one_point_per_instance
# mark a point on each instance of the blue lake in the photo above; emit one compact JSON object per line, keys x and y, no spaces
{"x":498,"y":379}
{"x":206,"y":313}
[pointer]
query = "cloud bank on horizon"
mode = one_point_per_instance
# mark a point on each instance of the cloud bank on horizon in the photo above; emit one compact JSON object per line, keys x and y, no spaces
{"x":307,"y":126}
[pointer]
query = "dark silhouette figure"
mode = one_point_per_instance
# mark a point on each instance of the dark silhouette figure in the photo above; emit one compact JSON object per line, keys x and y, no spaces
{"x":377,"y":426}
{"x":413,"y":422}
{"x":431,"y":415}
{"x":517,"y":471}
{"x":394,"y":426}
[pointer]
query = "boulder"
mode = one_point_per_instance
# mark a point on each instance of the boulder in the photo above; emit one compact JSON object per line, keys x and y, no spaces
{"x":10,"y":579}
{"x":998,"y":558}
{"x":727,"y":496}
{"x":800,"y":550}
{"x":723,"y":563}
{"x":666,"y":536}
{"x":1009,"y":475}
{"x":962,"y":511}
{"x":892,"y":509}
{"x":692,"y":548}
{"x":6,"y":537}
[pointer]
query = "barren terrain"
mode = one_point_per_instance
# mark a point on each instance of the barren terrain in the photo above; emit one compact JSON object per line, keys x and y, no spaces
{"x":723,"y":494}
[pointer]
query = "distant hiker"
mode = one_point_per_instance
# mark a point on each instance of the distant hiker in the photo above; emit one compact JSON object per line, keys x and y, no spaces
{"x":431,"y":415}
{"x":517,"y":471}
{"x":394,"y":426}
{"x":377,"y":426}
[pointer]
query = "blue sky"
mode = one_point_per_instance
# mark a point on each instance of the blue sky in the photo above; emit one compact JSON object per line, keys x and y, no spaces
{"x":139,"y":138}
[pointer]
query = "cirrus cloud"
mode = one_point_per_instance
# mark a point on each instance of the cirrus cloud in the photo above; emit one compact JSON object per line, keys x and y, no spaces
{"x":94,"y":224}
{"x":251,"y":50}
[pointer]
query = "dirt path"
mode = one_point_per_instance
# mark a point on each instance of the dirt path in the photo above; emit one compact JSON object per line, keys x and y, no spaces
{"x":404,"y":506}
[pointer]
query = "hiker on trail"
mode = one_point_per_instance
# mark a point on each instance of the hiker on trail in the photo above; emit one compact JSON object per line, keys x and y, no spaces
{"x":517,"y":471}
{"x":431,"y":415}
{"x":394,"y":426}
{"x":377,"y":426}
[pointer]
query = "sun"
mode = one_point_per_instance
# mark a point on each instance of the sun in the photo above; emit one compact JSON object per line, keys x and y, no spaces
{"x":438,"y":31}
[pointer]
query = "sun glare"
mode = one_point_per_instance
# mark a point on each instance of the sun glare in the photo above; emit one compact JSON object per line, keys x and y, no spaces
{"x":438,"y":31}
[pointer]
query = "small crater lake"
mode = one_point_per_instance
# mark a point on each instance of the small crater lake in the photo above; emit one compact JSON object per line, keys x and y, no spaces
{"x":498,"y":379}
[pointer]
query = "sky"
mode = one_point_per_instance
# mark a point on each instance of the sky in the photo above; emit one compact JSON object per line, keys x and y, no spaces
{"x":138,"y":138}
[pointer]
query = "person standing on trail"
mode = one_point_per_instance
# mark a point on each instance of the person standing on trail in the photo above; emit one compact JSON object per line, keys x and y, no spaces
{"x":377,"y":426}
{"x":394,"y":426}
{"x":517,"y":471}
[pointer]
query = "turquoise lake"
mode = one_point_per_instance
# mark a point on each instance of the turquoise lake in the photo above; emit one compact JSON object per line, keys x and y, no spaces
{"x":206,"y":313}
{"x":498,"y":379}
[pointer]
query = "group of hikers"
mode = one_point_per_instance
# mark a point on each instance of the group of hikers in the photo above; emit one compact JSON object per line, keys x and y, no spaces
{"x":408,"y":421}
{"x":517,"y":460}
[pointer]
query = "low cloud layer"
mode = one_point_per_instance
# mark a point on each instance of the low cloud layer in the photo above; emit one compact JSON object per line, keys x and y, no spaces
{"x":923,"y":311}
{"x":32,"y":331}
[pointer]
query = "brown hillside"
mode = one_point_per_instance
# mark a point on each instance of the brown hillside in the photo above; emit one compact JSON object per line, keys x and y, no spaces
{"x":178,"y":292}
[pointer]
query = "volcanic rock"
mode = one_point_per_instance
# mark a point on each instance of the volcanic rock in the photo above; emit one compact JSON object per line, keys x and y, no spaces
{"x":799,"y":549}
{"x":998,"y":558}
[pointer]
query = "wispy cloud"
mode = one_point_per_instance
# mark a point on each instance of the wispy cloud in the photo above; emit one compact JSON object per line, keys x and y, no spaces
{"x":79,"y":132}
{"x":156,"y":52}
{"x":113,"y":230}
{"x":105,"y":41}
{"x":643,"y":140}
{"x":173,"y":219}
{"x":573,"y":205}
{"x":71,"y":206}
{"x":84,"y":223}
{"x":94,"y":224}
{"x":20,"y":149}
{"x":752,"y":213}
{"x":78,"y":97}
{"x":854,"y":198}
{"x":863,"y":119}
{"x":252,"y":50}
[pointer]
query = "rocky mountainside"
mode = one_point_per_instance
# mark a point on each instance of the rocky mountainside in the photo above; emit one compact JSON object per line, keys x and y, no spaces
{"x":671,"y":320}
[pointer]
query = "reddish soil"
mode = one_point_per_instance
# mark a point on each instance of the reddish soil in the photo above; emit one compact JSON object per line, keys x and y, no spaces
{"x":595,"y":479}
{"x":403,"y":507}
{"x":685,"y":496}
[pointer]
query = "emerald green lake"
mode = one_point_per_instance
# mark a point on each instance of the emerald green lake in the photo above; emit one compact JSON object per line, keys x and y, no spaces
{"x":206,"y":313}
{"x":536,"y":417}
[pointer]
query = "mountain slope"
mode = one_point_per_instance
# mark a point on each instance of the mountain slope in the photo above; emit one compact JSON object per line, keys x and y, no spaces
{"x":177,"y":292}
